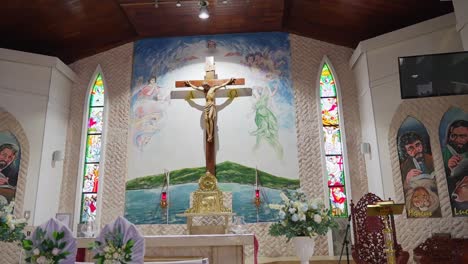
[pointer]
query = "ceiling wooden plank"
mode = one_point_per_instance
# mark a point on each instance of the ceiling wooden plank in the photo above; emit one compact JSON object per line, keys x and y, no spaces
{"x":73,"y":29}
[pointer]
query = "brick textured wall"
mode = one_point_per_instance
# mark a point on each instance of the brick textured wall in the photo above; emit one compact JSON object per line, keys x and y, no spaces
{"x":307,"y":55}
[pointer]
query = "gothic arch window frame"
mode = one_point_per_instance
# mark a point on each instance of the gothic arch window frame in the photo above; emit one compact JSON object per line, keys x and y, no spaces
{"x":344,"y":150}
{"x":83,"y":149}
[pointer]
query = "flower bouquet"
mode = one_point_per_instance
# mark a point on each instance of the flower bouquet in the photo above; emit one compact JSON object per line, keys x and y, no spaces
{"x":299,"y":217}
{"x":45,"y":250}
{"x":113,"y":249}
{"x":11,"y":229}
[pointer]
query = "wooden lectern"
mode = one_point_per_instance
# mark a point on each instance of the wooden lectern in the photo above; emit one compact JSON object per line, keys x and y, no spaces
{"x":386,"y":210}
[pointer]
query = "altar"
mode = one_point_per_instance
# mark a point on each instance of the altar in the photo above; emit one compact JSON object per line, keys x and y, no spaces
{"x":222,"y":248}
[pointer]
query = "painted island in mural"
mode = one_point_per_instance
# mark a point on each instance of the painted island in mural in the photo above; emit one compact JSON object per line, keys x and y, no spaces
{"x":453,"y":136}
{"x":10,"y":156}
{"x":255,"y":135}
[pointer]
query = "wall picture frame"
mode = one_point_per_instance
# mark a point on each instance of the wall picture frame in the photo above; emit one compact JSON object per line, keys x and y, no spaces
{"x":64,"y":218}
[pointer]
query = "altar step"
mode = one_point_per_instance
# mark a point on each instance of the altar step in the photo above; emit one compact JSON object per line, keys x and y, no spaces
{"x":294,"y":260}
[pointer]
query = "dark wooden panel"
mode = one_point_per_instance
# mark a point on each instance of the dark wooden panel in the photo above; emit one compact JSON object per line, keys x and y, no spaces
{"x":345,"y":22}
{"x":237,"y":16}
{"x":67,"y":29}
{"x":73,"y":29}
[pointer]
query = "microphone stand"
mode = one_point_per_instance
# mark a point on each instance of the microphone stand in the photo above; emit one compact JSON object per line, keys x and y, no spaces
{"x":346,"y":242}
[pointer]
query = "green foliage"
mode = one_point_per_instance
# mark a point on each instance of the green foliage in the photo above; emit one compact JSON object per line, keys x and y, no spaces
{"x":43,"y":249}
{"x":226,"y":172}
{"x":300,"y":217}
{"x":11,"y":229}
{"x":113,"y":249}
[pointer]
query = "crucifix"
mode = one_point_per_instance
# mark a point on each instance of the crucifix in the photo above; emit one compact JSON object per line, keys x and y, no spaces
{"x":208,"y":89}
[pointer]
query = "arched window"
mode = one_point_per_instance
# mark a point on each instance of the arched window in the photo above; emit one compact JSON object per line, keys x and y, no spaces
{"x":332,"y":138}
{"x":92,"y":150}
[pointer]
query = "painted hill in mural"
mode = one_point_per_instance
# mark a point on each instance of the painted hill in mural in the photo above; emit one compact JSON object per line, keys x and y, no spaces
{"x":227,"y":172}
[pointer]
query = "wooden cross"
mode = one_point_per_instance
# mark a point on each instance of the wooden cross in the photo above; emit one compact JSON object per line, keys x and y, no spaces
{"x":206,"y":89}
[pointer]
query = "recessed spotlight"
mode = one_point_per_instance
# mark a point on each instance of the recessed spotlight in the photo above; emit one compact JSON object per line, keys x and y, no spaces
{"x":414,"y":76}
{"x":203,"y":10}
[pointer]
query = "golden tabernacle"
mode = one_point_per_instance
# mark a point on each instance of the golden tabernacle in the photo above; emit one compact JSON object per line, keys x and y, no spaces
{"x":207,"y":201}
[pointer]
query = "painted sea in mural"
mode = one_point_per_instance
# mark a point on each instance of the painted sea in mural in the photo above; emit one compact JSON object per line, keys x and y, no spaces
{"x":256,"y":131}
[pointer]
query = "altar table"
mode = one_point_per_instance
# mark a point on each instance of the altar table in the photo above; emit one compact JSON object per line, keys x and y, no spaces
{"x":221,"y":249}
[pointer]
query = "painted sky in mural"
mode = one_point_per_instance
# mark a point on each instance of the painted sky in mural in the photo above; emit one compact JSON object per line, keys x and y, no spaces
{"x":255,"y":131}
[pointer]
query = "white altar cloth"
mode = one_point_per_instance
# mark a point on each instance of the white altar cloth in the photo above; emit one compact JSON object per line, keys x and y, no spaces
{"x":219,"y":248}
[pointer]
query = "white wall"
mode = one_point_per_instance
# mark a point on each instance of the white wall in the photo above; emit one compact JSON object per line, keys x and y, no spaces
{"x":381,"y":55}
{"x":57,"y":115}
{"x":461,"y":12}
{"x":35,"y":89}
{"x":367,"y":118}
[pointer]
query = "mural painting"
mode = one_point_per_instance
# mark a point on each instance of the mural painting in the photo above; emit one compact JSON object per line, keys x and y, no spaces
{"x":417,"y":170}
{"x":255,"y":135}
{"x":453,"y":136}
{"x":10,"y":156}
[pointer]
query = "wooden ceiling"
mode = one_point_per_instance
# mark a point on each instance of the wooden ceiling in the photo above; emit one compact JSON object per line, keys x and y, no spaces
{"x":74,"y":29}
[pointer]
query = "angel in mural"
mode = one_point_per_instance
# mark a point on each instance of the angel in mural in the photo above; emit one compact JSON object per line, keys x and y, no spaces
{"x":149,"y":112}
{"x":149,"y":91}
{"x":265,"y":120}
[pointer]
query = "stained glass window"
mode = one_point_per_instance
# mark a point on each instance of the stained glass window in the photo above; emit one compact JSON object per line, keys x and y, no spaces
{"x":332,"y":143}
{"x":93,"y":149}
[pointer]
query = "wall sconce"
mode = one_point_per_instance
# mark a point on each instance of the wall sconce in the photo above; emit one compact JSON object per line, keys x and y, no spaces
{"x":203,"y":9}
{"x":57,"y":155}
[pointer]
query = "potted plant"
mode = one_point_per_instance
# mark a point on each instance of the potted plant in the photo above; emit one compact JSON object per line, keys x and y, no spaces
{"x":302,"y":220}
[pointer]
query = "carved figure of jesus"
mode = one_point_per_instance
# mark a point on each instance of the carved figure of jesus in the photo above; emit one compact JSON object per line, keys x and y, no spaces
{"x":210,"y":106}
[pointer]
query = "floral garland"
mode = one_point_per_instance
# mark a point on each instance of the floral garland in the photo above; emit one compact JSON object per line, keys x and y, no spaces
{"x":300,"y":217}
{"x":113,"y":249}
{"x":43,"y":250}
{"x":11,"y":229}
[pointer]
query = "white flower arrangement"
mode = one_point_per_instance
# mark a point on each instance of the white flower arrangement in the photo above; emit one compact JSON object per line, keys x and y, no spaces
{"x":301,"y":217}
{"x":42,"y":249}
{"x":113,"y":250}
{"x":11,"y":229}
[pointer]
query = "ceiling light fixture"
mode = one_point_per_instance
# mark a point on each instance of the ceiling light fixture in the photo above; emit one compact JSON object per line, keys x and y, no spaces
{"x":203,"y":10}
{"x":156,"y":4}
{"x":178,"y":4}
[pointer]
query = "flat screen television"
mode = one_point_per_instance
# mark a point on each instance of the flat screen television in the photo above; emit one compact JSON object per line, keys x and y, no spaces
{"x":433,"y":75}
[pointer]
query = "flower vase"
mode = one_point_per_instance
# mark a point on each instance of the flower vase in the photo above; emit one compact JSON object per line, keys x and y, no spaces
{"x":304,"y":247}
